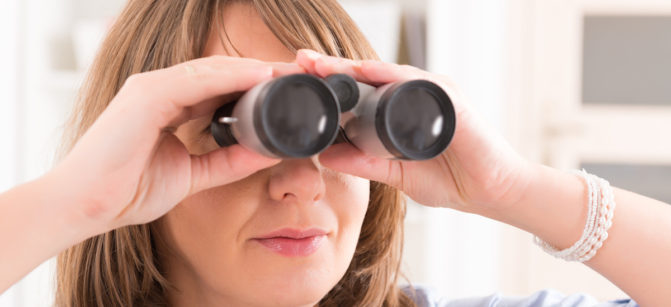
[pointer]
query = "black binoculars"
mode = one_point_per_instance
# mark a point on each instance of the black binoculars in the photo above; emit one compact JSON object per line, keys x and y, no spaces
{"x":299,"y":115}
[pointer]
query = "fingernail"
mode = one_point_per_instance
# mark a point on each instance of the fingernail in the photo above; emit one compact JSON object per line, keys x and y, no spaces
{"x":357,"y":69}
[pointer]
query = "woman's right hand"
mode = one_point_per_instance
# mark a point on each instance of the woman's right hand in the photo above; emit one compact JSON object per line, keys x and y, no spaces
{"x":129,"y":167}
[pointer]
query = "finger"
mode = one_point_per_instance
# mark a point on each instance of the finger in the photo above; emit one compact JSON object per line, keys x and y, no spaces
{"x":225,"y":165}
{"x":381,"y":72}
{"x":283,"y":69}
{"x":375,"y":72}
{"x":368,"y":71}
{"x":346,"y":158}
{"x":167,"y":94}
{"x":208,"y":106}
{"x":237,"y":75}
{"x":189,"y":83}
{"x":323,"y":65}
{"x":209,"y":71}
{"x":306,"y":58}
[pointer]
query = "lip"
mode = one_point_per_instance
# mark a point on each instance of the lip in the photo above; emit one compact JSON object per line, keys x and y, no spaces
{"x":291,"y":242}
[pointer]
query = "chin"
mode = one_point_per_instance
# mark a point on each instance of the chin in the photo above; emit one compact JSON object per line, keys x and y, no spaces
{"x":300,"y":288}
{"x":297,"y":301}
{"x":310,"y":288}
{"x":290,"y":296}
{"x":293,"y":281}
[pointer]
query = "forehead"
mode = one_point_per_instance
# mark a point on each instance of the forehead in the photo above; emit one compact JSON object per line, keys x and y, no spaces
{"x":249,"y":35}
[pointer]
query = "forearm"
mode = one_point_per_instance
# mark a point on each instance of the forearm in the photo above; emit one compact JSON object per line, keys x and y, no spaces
{"x":38,"y":220}
{"x":636,"y":254}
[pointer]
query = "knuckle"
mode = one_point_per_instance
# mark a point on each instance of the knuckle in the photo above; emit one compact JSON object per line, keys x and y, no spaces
{"x":219,"y":58}
{"x":134,"y":87}
{"x":139,"y":84}
{"x":135,"y":80}
{"x":194,"y":73}
{"x":415,"y":72}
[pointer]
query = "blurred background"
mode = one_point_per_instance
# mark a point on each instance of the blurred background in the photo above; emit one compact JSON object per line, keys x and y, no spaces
{"x":570,"y":83}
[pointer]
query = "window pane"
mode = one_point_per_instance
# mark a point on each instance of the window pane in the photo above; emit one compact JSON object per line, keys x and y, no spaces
{"x":627,"y":60}
{"x":649,"y":180}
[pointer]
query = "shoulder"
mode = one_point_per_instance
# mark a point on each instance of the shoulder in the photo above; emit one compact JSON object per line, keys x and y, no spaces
{"x":424,"y":296}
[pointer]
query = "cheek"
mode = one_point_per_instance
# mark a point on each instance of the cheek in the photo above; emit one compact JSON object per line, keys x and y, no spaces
{"x":349,"y":198}
{"x":348,"y":195}
{"x":203,"y":232}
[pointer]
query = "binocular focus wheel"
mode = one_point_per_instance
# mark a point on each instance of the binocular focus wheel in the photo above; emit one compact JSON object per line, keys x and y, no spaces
{"x":345,"y":89}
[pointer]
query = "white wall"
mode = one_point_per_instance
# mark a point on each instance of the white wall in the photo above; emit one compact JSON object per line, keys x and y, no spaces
{"x":9,"y":35}
{"x":9,"y":95}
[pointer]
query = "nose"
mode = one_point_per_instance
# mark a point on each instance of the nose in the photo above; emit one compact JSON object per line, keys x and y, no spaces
{"x":298,"y":180}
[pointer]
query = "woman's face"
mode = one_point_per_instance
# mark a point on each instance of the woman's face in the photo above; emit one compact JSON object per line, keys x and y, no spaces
{"x":224,"y":245}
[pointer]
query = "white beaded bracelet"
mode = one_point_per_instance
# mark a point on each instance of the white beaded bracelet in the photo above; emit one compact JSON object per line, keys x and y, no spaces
{"x":601,"y":205}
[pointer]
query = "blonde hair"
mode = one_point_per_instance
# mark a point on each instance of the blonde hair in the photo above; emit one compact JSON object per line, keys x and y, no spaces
{"x":122,"y":267}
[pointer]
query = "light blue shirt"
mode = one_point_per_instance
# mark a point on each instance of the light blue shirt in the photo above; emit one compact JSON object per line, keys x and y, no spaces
{"x":425,"y":297}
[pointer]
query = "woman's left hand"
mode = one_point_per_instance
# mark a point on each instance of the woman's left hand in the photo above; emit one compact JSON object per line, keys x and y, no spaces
{"x":479,"y":170}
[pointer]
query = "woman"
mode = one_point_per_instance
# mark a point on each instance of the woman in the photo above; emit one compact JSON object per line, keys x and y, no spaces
{"x":152,"y":212}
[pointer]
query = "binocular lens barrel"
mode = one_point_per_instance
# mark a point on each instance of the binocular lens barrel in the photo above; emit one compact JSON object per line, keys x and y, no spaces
{"x":417,"y":120}
{"x":293,"y":116}
{"x":409,"y":120}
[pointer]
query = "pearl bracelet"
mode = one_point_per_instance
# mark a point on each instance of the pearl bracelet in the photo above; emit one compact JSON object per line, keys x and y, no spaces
{"x":601,"y":205}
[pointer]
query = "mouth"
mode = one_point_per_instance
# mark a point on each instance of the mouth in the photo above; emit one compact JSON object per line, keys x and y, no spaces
{"x":293,"y":242}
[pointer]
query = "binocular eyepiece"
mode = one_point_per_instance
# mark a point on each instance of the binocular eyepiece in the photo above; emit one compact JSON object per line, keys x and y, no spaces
{"x":299,"y":115}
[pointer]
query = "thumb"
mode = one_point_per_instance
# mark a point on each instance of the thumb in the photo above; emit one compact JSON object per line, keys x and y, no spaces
{"x":225,"y":165}
{"x":346,"y":158}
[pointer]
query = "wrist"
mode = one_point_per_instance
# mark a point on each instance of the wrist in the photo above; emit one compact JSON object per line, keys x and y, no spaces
{"x":514,"y":191}
{"x":552,"y":205}
{"x":38,"y":223}
{"x":67,"y":202}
